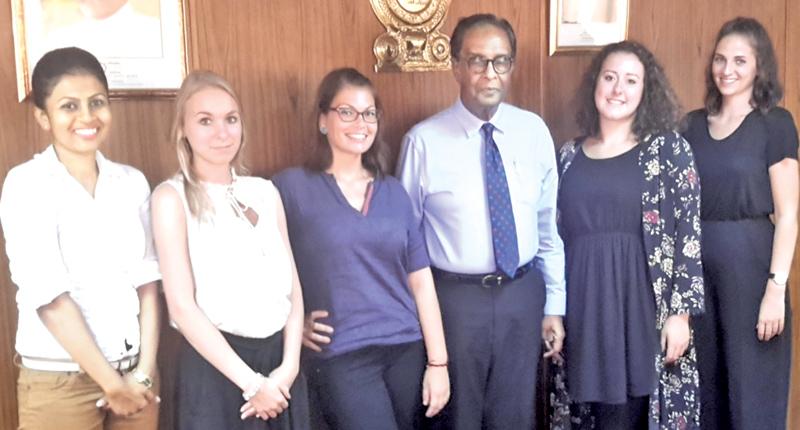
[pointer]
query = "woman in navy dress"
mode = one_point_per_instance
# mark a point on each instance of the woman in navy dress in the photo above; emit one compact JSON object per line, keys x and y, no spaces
{"x":628,"y":214}
{"x":746,"y":150}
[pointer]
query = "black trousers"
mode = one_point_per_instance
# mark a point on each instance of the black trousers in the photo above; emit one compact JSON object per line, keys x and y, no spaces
{"x":207,"y":400}
{"x":494,"y":340}
{"x":372,"y":388}
{"x":744,"y":383}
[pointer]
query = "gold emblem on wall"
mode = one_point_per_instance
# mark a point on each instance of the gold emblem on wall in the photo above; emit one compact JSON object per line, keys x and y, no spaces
{"x":412,"y":42}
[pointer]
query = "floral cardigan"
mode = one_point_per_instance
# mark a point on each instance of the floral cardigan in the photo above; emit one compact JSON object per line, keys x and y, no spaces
{"x":671,"y":231}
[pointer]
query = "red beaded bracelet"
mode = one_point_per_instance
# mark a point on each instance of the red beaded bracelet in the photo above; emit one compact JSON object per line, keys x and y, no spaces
{"x":429,"y":364}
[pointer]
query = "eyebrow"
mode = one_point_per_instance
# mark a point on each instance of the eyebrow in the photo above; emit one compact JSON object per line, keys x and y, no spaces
{"x":71,"y":98}
{"x":236,"y":111}
{"x":719,"y":54}
{"x":626,"y":74}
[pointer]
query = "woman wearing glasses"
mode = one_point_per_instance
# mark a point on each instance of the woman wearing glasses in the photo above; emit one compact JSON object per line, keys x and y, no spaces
{"x":362,"y":260}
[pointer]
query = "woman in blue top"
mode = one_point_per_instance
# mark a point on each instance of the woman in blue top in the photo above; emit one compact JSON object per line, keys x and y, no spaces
{"x":362,"y":260}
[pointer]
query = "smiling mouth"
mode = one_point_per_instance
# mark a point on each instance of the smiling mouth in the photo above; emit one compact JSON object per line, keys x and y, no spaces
{"x":222,"y":148}
{"x":86,"y":132}
{"x":357,"y":136}
{"x":615,"y":101}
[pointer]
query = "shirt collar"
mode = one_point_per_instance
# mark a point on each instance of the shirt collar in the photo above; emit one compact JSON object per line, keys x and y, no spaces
{"x":105,"y":167}
{"x":471,"y":124}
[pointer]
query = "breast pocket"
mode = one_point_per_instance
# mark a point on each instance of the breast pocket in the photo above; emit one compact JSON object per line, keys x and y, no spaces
{"x":453,"y":191}
{"x":525,"y":181}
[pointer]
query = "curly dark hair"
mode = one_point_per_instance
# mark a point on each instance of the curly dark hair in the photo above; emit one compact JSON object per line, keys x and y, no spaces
{"x":375,"y":159}
{"x":767,"y":90}
{"x":658,"y":111}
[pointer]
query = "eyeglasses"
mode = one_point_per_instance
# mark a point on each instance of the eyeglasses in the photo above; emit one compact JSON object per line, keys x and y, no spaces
{"x":349,"y":114}
{"x":501,"y":64}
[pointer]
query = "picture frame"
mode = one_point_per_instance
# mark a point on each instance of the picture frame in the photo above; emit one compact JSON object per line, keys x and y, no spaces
{"x":587,"y":25}
{"x":142,"y":44}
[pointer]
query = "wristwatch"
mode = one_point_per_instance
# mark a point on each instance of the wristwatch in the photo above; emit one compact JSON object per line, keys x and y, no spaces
{"x":779,"y":278}
{"x":142,"y":378}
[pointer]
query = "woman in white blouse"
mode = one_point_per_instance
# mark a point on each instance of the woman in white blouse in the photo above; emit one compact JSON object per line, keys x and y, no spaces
{"x":80,"y":252}
{"x":229,"y":275}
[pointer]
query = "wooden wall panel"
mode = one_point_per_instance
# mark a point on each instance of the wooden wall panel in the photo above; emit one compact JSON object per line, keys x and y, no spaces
{"x":275,"y":52}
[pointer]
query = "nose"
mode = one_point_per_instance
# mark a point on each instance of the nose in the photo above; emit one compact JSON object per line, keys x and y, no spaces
{"x":728,"y":69}
{"x":222,"y":131}
{"x":85,"y":112}
{"x":490,"y":72}
{"x":360,"y":121}
{"x":617,"y":88}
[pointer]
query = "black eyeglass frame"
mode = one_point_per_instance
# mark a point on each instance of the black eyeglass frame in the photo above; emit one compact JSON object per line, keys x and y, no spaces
{"x":362,"y":114}
{"x":477,"y":64}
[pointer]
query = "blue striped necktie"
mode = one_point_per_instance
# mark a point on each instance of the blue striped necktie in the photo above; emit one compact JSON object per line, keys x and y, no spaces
{"x":504,"y":229}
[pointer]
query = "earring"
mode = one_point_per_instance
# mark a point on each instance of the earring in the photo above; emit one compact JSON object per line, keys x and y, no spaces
{"x":323,"y":130}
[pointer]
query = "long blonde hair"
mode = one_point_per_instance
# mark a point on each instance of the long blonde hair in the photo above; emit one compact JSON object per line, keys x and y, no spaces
{"x":196,"y":196}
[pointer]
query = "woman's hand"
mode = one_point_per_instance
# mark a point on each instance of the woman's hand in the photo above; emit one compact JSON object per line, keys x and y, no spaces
{"x":284,"y":376}
{"x":316,"y":333}
{"x":675,"y":337}
{"x":270,"y":400}
{"x":127,"y":397}
{"x":435,"y":389}
{"x":772,"y":312}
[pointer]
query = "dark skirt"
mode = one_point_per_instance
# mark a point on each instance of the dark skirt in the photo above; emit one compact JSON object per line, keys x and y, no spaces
{"x":207,"y":400}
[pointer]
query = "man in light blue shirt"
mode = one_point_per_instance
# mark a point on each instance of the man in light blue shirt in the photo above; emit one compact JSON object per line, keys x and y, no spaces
{"x":494,"y":319}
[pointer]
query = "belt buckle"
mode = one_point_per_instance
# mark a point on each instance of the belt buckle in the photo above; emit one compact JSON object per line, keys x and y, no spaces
{"x":492,"y":280}
{"x":126,"y":364}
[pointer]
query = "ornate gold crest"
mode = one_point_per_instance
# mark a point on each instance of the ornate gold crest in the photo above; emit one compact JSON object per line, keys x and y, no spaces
{"x":412,"y":42}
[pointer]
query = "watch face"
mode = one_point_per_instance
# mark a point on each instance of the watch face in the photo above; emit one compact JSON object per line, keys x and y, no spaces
{"x":779,"y":278}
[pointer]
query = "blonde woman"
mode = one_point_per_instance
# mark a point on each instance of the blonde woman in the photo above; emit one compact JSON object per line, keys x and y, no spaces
{"x":229,"y":275}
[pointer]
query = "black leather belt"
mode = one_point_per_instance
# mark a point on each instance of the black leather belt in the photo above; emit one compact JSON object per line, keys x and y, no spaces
{"x":489,"y":280}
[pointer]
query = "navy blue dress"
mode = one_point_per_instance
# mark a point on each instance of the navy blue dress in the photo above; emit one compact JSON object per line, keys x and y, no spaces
{"x":611,"y":310}
{"x":744,"y":383}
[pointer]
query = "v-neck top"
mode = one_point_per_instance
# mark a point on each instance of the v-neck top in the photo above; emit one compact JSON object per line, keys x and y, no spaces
{"x":734,"y":171}
{"x":355,"y":266}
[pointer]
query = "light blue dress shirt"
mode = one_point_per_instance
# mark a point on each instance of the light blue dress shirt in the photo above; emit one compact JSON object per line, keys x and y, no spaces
{"x":441,"y":167}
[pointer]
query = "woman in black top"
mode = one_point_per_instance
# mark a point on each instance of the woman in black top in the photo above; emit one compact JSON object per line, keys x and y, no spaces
{"x":746,"y":153}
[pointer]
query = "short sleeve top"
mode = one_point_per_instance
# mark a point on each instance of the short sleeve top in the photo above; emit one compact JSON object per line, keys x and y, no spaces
{"x":355,"y":266}
{"x":734,"y":171}
{"x":242,"y":272}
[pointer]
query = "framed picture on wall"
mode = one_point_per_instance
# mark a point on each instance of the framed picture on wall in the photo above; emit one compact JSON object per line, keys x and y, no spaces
{"x":581,"y":25}
{"x":141,"y":43}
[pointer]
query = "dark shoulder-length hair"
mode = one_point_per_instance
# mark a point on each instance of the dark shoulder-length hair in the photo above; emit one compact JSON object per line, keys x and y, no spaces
{"x":767,"y":90}
{"x":658,"y":111}
{"x":321,"y":157}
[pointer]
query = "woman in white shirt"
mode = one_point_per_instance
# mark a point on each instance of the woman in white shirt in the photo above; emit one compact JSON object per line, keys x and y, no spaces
{"x":80,"y":251}
{"x":229,"y":275}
